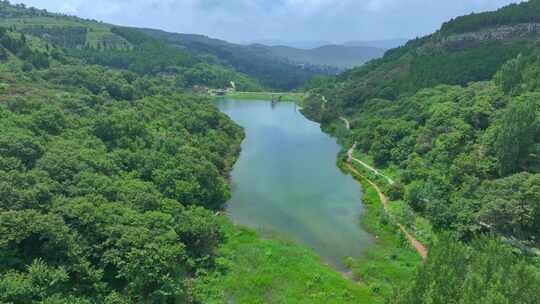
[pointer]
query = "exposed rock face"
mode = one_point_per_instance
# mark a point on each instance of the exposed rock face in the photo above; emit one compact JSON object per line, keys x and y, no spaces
{"x":468,"y":40}
{"x":498,"y":33}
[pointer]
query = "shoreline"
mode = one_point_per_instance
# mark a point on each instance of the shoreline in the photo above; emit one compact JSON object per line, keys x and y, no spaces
{"x":391,"y":262}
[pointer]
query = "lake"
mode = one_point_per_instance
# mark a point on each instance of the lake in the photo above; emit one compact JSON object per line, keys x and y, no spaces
{"x":286,"y":181}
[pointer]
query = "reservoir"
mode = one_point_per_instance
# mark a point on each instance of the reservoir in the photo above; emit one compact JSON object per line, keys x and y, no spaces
{"x":286,"y":182}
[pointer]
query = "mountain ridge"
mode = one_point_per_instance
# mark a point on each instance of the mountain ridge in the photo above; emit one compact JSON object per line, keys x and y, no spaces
{"x":339,"y":56}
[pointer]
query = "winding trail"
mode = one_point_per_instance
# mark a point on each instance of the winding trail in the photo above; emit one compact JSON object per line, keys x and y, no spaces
{"x":346,"y":121}
{"x":417,"y":245}
{"x":324,"y":102}
{"x":377,"y":172}
{"x":351,"y":158}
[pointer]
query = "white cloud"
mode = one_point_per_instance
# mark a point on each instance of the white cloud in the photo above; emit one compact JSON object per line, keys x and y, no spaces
{"x":243,"y":20}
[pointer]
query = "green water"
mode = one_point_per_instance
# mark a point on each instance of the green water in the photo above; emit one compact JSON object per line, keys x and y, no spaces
{"x":286,"y":181}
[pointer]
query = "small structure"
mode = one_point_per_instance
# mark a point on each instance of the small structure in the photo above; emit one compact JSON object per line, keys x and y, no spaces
{"x":220,"y":92}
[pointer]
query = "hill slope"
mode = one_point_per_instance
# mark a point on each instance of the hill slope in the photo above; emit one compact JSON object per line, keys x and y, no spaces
{"x":470,"y":48}
{"x":119,"y":47}
{"x":455,"y":117}
{"x":203,"y":60}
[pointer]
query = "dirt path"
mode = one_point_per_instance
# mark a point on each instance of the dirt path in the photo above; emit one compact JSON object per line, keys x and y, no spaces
{"x":421,"y":249}
{"x":377,"y":172}
{"x":351,"y":158}
{"x":324,"y":102}
{"x":350,"y":153}
{"x":347,"y":123}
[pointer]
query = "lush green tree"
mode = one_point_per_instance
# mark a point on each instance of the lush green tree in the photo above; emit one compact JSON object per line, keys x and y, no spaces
{"x":97,"y":169}
{"x":396,"y":191}
{"x":516,"y":131}
{"x":512,"y":206}
{"x":510,"y":77}
{"x":486,"y":272}
{"x":49,"y":120}
{"x":25,"y":190}
{"x":3,"y":54}
{"x":20,"y":144}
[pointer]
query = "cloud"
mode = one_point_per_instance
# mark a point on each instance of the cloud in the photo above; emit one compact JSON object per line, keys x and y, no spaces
{"x":244,"y":20}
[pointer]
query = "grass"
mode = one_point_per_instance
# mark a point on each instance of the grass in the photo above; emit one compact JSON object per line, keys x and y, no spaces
{"x":253,"y":270}
{"x":288,"y":96}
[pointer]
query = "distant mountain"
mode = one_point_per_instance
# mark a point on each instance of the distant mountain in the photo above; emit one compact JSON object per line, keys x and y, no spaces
{"x":383,"y":44}
{"x":340,"y":56}
{"x":308,"y":45}
{"x":305,"y":45}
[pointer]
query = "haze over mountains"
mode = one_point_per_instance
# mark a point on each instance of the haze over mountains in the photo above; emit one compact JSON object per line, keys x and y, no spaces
{"x":383,"y":44}
{"x":340,"y":56}
{"x":344,"y":55}
{"x":313,"y":53}
{"x":313,"y":44}
{"x":305,"y":45}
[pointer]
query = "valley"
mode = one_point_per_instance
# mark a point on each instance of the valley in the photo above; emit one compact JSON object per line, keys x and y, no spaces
{"x":139,"y":165}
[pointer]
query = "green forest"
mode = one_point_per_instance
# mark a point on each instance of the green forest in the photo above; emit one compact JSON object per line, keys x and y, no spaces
{"x":94,"y":165}
{"x":114,"y":169}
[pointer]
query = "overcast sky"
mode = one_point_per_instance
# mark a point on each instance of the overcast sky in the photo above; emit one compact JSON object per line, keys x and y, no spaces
{"x":286,"y":20}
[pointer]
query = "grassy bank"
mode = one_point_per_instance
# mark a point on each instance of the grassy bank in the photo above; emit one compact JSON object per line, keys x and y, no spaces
{"x":399,"y":210}
{"x":287,"y":96}
{"x":255,"y":270}
{"x":391,"y":264}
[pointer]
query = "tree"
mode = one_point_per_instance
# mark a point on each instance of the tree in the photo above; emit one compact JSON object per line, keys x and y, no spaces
{"x":484,"y":272}
{"x":21,"y":145}
{"x":512,"y":206}
{"x":3,"y":54}
{"x":510,"y":77}
{"x":396,"y":191}
{"x":516,"y":131}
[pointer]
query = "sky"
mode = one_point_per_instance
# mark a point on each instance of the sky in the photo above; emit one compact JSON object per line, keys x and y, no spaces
{"x":285,"y":20}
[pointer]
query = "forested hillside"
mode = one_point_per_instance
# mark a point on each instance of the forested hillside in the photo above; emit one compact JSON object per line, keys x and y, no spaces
{"x":119,"y":47}
{"x":449,"y":56}
{"x":94,"y":164}
{"x":456,"y":116}
{"x":203,"y":60}
{"x":258,"y":61}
